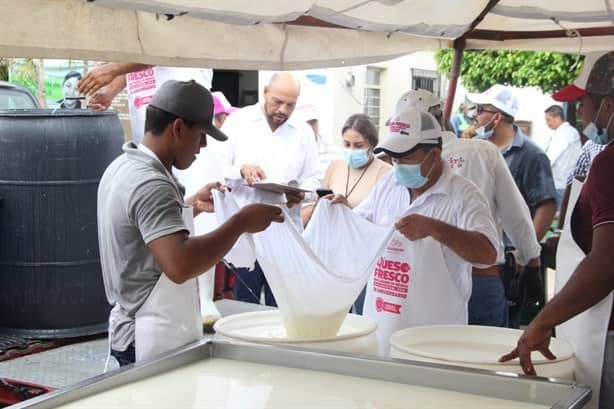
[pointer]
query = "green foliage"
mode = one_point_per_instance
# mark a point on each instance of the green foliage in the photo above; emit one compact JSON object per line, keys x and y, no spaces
{"x":482,"y":69}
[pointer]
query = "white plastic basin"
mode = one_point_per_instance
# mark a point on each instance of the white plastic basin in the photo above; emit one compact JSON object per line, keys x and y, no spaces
{"x":356,"y":335}
{"x":477,"y":347}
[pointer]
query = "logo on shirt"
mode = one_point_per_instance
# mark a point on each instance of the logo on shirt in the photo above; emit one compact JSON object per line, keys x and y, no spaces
{"x":456,"y":163}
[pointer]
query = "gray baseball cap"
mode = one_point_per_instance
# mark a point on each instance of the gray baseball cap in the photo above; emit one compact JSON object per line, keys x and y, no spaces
{"x":188,"y":100}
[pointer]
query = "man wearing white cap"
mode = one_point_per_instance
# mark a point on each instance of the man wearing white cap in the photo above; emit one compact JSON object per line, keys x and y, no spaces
{"x":443,"y":226}
{"x":529,"y":164}
{"x":582,"y":307}
{"x":481,"y":162}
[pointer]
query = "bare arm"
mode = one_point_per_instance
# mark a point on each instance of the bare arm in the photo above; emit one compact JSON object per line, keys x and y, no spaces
{"x":590,"y":283}
{"x":542,"y":219}
{"x":101,"y":100}
{"x":182,"y":257}
{"x":471,"y":246}
{"x":102,"y":75}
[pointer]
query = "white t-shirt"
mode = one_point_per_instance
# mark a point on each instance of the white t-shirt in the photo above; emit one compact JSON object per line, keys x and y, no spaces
{"x":453,"y":200}
{"x":563,"y":150}
{"x":142,"y":85}
{"x":481,"y":162}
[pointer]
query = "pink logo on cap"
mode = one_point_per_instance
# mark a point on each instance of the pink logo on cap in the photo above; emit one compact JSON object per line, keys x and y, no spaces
{"x":399,"y":126}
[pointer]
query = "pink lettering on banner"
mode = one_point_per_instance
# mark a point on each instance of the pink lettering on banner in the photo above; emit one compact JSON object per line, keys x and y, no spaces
{"x":141,"y":80}
{"x":140,"y":101}
{"x":391,"y":277}
{"x":382,"y":305}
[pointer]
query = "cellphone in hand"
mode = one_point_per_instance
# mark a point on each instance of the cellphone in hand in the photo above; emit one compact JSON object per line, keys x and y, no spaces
{"x":323,"y":192}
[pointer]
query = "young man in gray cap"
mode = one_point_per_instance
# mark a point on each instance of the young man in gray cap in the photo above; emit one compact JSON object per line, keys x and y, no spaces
{"x":582,"y":308}
{"x":149,"y":261}
{"x":444,"y":227}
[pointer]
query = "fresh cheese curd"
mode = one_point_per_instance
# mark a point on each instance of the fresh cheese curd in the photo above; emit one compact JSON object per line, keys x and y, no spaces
{"x":221,"y":383}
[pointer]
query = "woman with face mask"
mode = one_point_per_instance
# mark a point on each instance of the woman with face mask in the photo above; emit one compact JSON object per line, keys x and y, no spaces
{"x":356,"y":174}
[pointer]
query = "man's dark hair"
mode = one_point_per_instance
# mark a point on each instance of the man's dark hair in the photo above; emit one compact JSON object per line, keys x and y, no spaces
{"x":555,"y":110}
{"x":362,"y":124}
{"x":156,"y":120}
{"x":70,"y":75}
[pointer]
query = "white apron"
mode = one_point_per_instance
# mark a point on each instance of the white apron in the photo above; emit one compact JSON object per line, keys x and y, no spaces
{"x":170,"y":317}
{"x":411,"y":286}
{"x":585,"y":332}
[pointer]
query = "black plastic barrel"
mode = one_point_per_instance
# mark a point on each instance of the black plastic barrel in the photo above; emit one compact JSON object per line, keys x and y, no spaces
{"x":50,"y":165}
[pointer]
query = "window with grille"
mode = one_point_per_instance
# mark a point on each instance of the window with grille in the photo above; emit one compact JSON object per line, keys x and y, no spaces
{"x":425,"y":79}
{"x":373,"y":94}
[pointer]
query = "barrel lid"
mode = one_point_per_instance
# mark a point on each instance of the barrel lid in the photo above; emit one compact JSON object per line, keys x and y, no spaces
{"x":37,"y":113}
{"x":267,"y":327}
{"x":472,"y":344}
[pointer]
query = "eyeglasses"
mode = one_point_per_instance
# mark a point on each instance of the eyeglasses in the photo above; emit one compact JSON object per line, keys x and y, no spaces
{"x":481,"y":109}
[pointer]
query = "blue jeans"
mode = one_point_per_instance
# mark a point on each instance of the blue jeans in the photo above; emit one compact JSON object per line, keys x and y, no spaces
{"x":126,"y":357}
{"x":360,"y":301}
{"x":248,"y":285}
{"x":487,"y":305}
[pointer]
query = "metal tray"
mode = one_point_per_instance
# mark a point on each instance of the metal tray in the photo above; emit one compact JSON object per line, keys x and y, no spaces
{"x":542,"y":391}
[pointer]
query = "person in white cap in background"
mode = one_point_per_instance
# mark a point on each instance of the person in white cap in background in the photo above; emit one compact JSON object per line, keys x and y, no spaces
{"x":444,"y":227}
{"x":530,"y":167}
{"x":582,"y":309}
{"x":481,"y":162}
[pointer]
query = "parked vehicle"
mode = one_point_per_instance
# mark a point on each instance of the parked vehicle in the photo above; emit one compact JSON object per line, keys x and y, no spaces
{"x":13,"y":96}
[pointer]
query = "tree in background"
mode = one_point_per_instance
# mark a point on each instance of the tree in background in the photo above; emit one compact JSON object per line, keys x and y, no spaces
{"x":4,"y":69}
{"x":482,"y":69}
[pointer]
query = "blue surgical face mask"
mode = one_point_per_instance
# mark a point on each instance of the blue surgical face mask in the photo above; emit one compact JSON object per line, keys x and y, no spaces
{"x":592,"y":132}
{"x":482,"y":133}
{"x":410,"y":175}
{"x":356,"y":158}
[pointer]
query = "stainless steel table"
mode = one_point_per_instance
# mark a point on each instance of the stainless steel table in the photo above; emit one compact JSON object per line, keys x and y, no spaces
{"x":402,"y":374}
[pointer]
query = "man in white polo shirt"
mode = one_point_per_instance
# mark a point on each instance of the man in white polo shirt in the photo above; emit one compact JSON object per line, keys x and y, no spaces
{"x":444,"y":227}
{"x":482,"y":163}
{"x":266,"y":142}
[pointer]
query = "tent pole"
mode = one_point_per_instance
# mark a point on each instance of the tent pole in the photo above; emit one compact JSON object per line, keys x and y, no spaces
{"x":457,"y":60}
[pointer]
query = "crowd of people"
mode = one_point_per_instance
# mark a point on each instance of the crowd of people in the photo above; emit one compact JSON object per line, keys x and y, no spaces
{"x":470,"y":207}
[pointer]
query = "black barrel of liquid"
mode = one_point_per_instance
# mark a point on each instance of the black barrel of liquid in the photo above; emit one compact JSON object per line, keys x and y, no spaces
{"x":50,"y":165}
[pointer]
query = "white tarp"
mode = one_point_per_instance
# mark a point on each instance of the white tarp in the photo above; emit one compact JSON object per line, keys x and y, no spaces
{"x":248,"y":34}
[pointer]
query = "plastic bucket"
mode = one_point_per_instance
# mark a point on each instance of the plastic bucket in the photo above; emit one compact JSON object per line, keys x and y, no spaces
{"x":356,"y":335}
{"x":477,"y":347}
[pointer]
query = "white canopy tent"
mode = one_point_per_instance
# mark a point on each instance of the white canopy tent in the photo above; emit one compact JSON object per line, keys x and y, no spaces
{"x":297,"y":34}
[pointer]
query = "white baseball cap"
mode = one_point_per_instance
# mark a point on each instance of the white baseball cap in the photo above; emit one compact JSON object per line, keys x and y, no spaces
{"x":407,"y":129}
{"x":419,"y":99}
{"x":499,"y":96}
